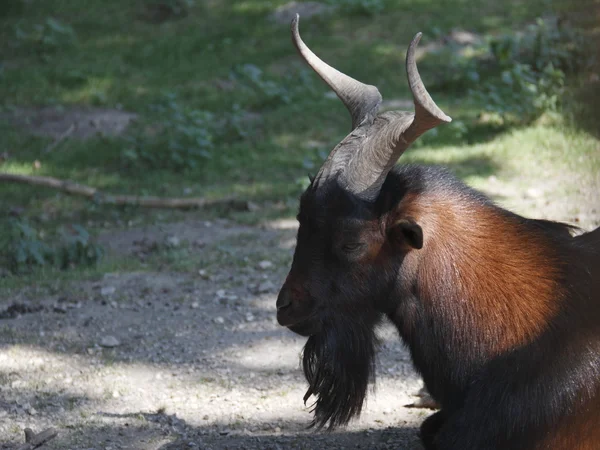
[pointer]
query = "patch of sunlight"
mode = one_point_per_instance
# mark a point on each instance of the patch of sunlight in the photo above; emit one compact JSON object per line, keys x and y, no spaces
{"x":141,"y":90}
{"x":540,"y":150}
{"x":388,"y":49}
{"x":91,"y":376}
{"x":93,"y":91}
{"x":19,"y":168}
{"x":101,"y":180}
{"x":116,"y":40}
{"x":491,"y":22}
{"x":450,"y":155}
{"x":96,"y":179}
{"x":272,"y":354}
{"x":253,"y":6}
{"x":252,"y":188}
{"x":282,"y":224}
{"x":285,"y":140}
{"x":533,"y":151}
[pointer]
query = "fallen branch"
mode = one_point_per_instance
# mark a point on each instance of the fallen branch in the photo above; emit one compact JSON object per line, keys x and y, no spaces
{"x":73,"y":188}
{"x":33,"y":441}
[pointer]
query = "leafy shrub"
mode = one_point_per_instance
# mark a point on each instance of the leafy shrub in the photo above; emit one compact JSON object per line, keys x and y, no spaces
{"x":264,"y":91}
{"x":184,"y":138}
{"x":524,"y":94}
{"x":76,"y":248}
{"x":253,"y":78}
{"x":533,"y":68}
{"x":22,"y":248}
{"x":47,"y":37}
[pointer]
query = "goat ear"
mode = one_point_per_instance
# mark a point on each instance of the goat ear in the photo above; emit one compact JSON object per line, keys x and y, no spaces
{"x":406,"y":232}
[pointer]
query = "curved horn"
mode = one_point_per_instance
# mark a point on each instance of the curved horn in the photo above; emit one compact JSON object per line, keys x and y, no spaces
{"x":426,"y":111}
{"x":391,"y":134}
{"x":362,"y":100}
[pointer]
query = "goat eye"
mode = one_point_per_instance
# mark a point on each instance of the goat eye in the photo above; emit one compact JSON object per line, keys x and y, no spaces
{"x":352,"y":247}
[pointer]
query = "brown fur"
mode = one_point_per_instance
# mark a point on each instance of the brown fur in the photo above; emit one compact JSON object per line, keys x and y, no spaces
{"x":501,"y":314}
{"x":485,"y":259}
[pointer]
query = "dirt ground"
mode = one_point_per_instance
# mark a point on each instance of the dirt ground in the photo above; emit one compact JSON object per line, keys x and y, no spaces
{"x":191,"y":359}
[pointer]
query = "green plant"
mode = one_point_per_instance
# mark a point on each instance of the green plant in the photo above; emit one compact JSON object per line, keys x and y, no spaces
{"x":76,"y":248}
{"x":22,"y":248}
{"x":524,"y":94}
{"x":550,"y":42}
{"x":533,"y":67}
{"x":253,"y":79}
{"x":184,"y":138}
{"x":262,"y":90}
{"x":47,"y":37}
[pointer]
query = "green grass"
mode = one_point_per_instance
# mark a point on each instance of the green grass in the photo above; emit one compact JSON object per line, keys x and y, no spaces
{"x":104,"y":54}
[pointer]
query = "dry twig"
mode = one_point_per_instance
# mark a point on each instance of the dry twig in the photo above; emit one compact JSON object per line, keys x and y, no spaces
{"x":61,"y":138}
{"x":73,"y":188}
{"x":33,"y":441}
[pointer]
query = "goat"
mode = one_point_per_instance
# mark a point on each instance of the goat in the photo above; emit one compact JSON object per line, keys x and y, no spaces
{"x":500,"y":313}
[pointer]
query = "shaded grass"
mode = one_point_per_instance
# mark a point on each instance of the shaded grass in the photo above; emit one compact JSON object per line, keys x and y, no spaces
{"x":115,"y":59}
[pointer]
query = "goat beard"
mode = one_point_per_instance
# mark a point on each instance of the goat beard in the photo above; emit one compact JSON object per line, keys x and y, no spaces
{"x":339,"y":364}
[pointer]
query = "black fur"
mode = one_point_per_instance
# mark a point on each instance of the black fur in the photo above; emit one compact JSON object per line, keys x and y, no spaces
{"x":339,"y":364}
{"x":511,"y":399}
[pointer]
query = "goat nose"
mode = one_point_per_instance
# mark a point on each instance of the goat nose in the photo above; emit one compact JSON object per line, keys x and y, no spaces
{"x":284,"y":299}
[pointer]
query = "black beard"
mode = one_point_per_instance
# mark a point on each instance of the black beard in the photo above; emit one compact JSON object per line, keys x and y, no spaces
{"x":339,"y":364}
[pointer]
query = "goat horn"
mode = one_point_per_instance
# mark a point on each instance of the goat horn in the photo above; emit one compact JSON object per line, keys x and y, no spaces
{"x":362,"y":100}
{"x":426,"y":111}
{"x":391,"y":134}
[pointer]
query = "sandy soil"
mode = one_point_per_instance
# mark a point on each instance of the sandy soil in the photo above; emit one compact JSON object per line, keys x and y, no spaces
{"x":163,"y":360}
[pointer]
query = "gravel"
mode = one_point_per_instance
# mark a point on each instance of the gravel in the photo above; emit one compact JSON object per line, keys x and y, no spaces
{"x":191,"y":359}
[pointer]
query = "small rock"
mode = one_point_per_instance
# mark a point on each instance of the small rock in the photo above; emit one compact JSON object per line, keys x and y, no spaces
{"x":264,"y":265}
{"x":116,"y":394}
{"x":172,"y":241}
{"x":265,"y":286}
{"x":203,"y":273}
{"x":277,"y":430}
{"x":109,"y":342}
{"x":219,"y":320}
{"x":252,"y":207}
{"x":205,"y":417}
{"x":31,"y":411}
{"x":195,"y":305}
{"x":249,"y":317}
{"x":59,"y":309}
{"x":534,"y":193}
{"x":107,"y":291}
{"x":221,"y":293}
